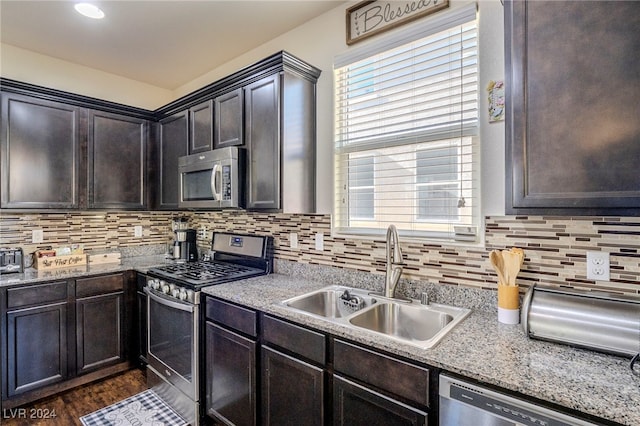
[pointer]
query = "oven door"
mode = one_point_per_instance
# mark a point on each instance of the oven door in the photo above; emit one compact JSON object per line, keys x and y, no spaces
{"x":173,"y":341}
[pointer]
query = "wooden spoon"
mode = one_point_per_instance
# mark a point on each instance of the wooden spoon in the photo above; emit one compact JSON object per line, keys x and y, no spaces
{"x":498,"y":264}
{"x":512,"y":263}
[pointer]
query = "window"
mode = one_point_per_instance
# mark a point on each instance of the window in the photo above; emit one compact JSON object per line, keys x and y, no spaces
{"x":406,"y":142}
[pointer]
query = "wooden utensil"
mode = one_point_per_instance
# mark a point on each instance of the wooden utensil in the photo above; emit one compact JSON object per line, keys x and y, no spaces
{"x":512,"y":260}
{"x":498,"y":264}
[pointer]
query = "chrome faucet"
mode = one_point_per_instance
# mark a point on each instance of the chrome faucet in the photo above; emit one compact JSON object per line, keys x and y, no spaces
{"x":394,"y":262}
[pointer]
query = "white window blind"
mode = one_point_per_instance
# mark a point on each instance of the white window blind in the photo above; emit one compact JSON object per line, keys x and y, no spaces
{"x":406,"y":141}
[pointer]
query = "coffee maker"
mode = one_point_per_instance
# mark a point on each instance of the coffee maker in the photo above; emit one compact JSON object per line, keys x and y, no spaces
{"x":185,"y":248}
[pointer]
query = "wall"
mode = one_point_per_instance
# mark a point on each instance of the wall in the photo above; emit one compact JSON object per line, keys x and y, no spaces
{"x":31,"y":67}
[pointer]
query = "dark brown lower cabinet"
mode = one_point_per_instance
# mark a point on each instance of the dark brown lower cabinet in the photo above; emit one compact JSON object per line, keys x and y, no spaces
{"x":62,"y":334}
{"x":99,"y":322}
{"x":292,"y":390}
{"x":99,"y":331}
{"x":37,"y":347}
{"x":230,"y":365}
{"x":355,"y":405}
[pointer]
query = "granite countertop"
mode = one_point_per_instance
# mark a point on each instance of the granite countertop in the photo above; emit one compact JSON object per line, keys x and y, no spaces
{"x":32,"y":275}
{"x":479,"y":348}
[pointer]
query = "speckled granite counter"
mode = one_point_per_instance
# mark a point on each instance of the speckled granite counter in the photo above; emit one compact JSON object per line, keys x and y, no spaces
{"x":479,"y":348}
{"x":31,"y":275}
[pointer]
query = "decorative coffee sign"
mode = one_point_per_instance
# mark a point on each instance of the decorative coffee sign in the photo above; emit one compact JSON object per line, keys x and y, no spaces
{"x":368,"y":18}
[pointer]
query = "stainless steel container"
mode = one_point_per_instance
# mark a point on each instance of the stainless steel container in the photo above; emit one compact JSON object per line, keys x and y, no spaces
{"x":600,"y":321}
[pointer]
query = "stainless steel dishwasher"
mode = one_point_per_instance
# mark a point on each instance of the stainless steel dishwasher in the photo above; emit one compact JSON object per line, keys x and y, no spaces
{"x":467,"y":404}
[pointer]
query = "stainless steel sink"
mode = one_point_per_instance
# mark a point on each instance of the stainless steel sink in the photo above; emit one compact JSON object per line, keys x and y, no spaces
{"x":331,"y":302}
{"x":406,"y":321}
{"x":422,"y":325}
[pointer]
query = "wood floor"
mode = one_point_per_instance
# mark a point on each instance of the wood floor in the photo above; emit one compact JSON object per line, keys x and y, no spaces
{"x":71,"y":405}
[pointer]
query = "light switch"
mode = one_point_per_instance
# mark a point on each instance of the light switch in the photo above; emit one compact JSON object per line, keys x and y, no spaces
{"x":137,"y":231}
{"x":319,"y":241}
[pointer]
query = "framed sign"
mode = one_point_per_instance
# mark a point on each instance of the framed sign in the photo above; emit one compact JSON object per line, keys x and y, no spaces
{"x":368,"y":18}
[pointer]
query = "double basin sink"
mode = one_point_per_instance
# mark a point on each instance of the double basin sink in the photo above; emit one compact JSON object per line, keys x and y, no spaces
{"x":404,"y":320}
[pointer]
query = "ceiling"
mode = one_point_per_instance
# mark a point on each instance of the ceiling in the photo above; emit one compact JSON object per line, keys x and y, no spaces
{"x":163,"y":43}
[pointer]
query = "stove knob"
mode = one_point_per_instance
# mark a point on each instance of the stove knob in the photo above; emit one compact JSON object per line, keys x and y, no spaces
{"x":154,"y":284}
{"x":175,"y":292}
{"x":171,"y":287}
{"x":183,"y":294}
{"x":189,"y":297}
{"x":165,"y":288}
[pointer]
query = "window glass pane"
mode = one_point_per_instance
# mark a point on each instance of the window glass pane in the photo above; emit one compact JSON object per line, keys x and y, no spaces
{"x":437,"y":164}
{"x":438,"y":202}
{"x":360,"y":171}
{"x":361,"y":203}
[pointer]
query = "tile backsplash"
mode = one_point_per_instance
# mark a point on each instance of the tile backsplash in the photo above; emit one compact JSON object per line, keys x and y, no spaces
{"x":555,"y":247}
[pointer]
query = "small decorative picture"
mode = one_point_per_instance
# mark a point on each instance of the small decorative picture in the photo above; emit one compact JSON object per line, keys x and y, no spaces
{"x":496,"y":100}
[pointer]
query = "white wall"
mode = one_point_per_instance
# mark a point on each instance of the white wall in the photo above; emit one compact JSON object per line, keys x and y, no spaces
{"x":316,"y":42}
{"x":31,"y":67}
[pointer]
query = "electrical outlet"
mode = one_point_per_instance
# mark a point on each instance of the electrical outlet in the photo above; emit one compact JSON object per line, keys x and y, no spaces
{"x":319,"y":241}
{"x":203,"y":232}
{"x":293,"y":240}
{"x":598,"y":265}
{"x":37,"y":236}
{"x":137,"y":231}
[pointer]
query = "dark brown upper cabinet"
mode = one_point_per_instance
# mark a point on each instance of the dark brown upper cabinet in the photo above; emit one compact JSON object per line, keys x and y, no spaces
{"x":229,"y":119}
{"x":117,"y":161}
{"x":40,"y":153}
{"x":201,"y":126}
{"x":573,"y":102}
{"x":280,"y":134}
{"x":173,"y":142}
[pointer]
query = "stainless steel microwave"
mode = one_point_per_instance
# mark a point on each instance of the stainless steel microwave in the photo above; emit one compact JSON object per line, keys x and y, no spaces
{"x":212,"y":179}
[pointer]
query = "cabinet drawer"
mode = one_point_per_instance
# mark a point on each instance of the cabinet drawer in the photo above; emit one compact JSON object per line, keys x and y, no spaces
{"x":36,"y":294}
{"x":236,"y":317}
{"x":392,"y":375}
{"x":99,"y":285}
{"x":306,"y":343}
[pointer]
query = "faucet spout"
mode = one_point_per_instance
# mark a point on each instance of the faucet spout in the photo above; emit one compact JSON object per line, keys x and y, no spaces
{"x":394,"y":262}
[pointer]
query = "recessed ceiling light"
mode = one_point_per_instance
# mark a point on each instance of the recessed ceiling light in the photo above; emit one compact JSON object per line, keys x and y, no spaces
{"x":89,"y":10}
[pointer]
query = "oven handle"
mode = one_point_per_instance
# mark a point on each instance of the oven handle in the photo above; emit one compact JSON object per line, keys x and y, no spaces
{"x":170,"y":303}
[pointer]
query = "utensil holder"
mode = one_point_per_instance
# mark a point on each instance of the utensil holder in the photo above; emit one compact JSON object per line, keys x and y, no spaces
{"x":508,"y":304}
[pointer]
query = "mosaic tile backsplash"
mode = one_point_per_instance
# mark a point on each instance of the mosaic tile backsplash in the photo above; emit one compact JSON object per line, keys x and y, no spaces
{"x":555,"y":247}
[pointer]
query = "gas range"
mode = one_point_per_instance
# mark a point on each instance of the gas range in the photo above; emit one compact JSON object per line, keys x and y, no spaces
{"x":173,"y":315}
{"x":235,"y":257}
{"x":200,"y":274}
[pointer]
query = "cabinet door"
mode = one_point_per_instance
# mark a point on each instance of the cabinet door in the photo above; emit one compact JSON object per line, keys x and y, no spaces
{"x":262,"y":133}
{"x":173,"y":143}
{"x":117,"y":161}
{"x":230,"y":376}
{"x":229,"y":122}
{"x":355,"y":405}
{"x":292,"y":391}
{"x":573,"y":103}
{"x":36,"y":347}
{"x":40,"y":153}
{"x":99,"y":331}
{"x":201,"y":119}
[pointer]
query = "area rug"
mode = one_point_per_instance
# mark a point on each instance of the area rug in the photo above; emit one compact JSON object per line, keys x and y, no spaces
{"x":143,"y":409}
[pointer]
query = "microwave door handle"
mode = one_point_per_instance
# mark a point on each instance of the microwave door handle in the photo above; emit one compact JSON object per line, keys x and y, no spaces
{"x":214,"y":181}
